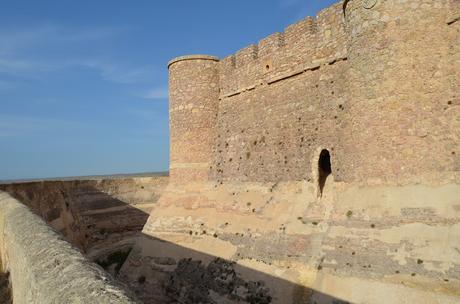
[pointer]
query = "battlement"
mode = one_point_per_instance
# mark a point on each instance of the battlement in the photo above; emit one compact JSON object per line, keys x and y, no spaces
{"x":192,"y":57}
{"x":310,"y":40}
{"x":295,"y":91}
{"x":327,"y":25}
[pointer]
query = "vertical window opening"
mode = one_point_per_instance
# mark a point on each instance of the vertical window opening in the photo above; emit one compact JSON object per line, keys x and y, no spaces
{"x":324,"y":169}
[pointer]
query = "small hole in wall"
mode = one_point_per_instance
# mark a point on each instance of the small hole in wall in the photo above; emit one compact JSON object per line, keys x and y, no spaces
{"x":267,"y":67}
{"x":141,"y":279}
{"x":324,"y":169}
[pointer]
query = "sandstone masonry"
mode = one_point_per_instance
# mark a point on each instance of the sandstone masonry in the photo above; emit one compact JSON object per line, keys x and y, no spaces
{"x":374,"y":82}
{"x":320,"y":165}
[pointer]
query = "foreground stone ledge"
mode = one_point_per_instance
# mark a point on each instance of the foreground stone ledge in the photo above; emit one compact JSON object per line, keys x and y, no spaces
{"x":44,"y":268}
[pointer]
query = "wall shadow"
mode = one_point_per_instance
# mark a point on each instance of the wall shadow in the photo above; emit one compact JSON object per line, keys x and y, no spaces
{"x":176,"y":274}
{"x":168,"y":273}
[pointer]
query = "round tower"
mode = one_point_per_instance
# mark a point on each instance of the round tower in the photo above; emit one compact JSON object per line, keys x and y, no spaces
{"x":400,"y":125}
{"x":193,"y":104}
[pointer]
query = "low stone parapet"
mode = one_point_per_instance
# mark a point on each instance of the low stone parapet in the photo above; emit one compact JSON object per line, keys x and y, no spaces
{"x":44,"y":268}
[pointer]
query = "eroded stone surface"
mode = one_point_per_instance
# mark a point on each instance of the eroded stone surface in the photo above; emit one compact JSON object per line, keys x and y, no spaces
{"x":44,"y":268}
{"x":245,"y":218}
{"x":301,"y":247}
{"x":372,"y":84}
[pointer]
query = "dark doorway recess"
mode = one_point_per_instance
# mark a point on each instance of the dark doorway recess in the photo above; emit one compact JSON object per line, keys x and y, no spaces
{"x":324,"y":169}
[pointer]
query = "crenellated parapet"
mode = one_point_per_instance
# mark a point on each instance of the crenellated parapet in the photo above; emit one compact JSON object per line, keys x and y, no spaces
{"x":359,"y":67}
{"x":305,"y":43}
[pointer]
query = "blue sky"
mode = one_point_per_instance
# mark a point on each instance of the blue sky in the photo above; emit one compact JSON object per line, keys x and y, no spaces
{"x":83,"y":84}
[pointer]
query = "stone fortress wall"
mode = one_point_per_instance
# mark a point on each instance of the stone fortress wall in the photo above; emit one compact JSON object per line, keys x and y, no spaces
{"x":319,"y":166}
{"x":342,"y":81}
{"x":251,"y":213}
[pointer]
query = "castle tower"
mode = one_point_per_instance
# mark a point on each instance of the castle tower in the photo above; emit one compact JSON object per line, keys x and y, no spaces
{"x":401,"y":124}
{"x":333,"y":163}
{"x":193,"y":104}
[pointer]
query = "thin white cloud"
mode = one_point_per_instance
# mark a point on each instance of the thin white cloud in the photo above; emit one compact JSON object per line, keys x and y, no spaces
{"x":117,"y":73}
{"x":150,"y":115}
{"x":288,"y":3}
{"x":156,"y":94}
{"x":107,"y":71}
{"x":12,"y":39}
{"x":15,"y":125}
{"x":300,"y":8}
{"x":93,"y":33}
{"x":6,"y":85}
{"x":18,"y":67}
{"x":16,"y":43}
